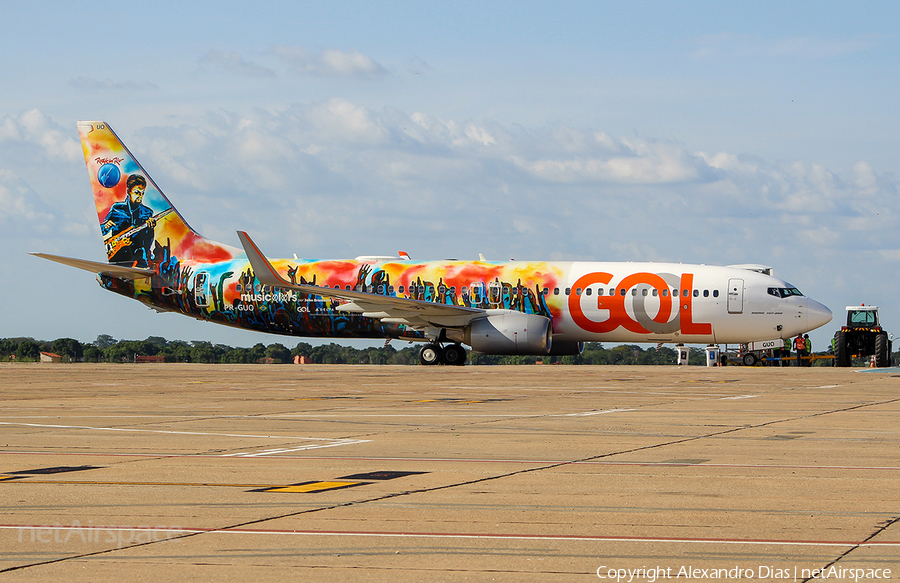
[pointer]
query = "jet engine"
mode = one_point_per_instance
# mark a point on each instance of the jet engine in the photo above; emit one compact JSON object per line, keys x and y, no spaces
{"x":510,"y":332}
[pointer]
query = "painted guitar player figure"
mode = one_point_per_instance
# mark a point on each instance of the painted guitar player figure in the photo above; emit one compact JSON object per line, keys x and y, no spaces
{"x":128,"y":227}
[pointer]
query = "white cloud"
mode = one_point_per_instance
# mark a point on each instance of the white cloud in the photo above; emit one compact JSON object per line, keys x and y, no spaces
{"x":20,"y":208}
{"x":388,"y":165}
{"x":329,"y":62}
{"x":34,"y":128}
{"x":644,"y":162}
{"x":109,"y":85}
{"x":235,"y":63}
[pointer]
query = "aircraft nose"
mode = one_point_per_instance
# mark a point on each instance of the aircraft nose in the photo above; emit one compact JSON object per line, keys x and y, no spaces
{"x":816,"y":314}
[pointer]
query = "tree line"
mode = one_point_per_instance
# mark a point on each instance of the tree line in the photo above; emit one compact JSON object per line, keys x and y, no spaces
{"x":107,"y":349}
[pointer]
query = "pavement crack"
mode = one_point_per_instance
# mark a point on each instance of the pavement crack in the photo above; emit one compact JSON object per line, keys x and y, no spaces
{"x":886,"y":525}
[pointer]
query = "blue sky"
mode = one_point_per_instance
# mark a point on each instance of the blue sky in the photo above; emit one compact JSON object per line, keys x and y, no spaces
{"x":704,"y":132}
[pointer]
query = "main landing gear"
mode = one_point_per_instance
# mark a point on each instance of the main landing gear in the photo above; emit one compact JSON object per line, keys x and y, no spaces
{"x":452,"y":354}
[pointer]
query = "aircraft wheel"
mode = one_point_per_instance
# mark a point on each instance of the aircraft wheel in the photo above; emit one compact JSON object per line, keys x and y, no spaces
{"x":750,"y":359}
{"x":455,"y":355}
{"x":431,"y":354}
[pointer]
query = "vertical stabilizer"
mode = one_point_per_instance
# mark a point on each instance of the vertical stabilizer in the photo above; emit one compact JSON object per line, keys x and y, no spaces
{"x":140,"y":226}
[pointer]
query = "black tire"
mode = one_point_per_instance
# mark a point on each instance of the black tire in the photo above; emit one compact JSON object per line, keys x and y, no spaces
{"x":882,"y":350}
{"x":750,"y":359}
{"x":454,"y":355}
{"x":841,"y":350}
{"x":431,"y":354}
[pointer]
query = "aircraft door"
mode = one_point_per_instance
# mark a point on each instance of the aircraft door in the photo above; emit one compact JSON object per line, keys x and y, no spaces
{"x":201,"y":289}
{"x":735,"y":296}
{"x":476,"y":294}
{"x":495,"y":293}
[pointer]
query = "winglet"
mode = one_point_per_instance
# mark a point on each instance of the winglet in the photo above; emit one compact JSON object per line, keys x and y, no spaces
{"x":262,"y":268}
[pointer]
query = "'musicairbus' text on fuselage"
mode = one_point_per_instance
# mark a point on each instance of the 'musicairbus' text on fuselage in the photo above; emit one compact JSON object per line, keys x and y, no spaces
{"x":499,"y":307}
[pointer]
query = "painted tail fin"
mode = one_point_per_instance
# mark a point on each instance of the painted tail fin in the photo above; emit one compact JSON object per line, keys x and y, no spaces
{"x":140,"y":226}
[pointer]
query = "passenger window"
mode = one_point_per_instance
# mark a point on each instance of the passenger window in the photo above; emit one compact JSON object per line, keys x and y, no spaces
{"x":644,"y":292}
{"x":665,"y":293}
{"x":556,"y":291}
{"x":622,"y":291}
{"x":696,"y":293}
{"x":685,"y":292}
{"x":634,"y":291}
{"x":715,"y":293}
{"x":706,"y":293}
{"x":655,"y":292}
{"x":587,"y":291}
{"x":568,"y":290}
{"x":577,"y":291}
{"x":546,"y":291}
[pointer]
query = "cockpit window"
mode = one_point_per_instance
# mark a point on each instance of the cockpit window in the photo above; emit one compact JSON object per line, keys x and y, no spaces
{"x":784,"y":292}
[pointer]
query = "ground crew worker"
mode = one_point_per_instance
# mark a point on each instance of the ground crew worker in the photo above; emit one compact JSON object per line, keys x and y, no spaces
{"x":799,"y":347}
{"x":807,"y":350}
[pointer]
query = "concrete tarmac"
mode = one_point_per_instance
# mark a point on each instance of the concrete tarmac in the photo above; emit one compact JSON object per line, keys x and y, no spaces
{"x":477,"y":473}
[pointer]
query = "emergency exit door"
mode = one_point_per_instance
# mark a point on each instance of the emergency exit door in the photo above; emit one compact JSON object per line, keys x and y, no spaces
{"x":735,"y":296}
{"x":201,"y":289}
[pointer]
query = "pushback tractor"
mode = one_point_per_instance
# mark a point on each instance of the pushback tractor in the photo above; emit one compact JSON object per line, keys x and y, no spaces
{"x":863,"y":336}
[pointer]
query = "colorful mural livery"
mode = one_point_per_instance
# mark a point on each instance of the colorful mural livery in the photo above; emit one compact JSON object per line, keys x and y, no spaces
{"x":504,"y":307}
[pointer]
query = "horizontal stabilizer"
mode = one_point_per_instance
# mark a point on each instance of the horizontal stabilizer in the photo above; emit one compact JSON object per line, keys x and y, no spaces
{"x":119,"y":271}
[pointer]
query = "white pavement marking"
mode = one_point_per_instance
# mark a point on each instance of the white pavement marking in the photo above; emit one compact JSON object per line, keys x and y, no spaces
{"x":329,"y":442}
{"x":337,"y":443}
{"x":166,"y":431}
{"x":735,"y":398}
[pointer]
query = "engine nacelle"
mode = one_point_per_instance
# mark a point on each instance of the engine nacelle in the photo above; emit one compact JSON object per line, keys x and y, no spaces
{"x":566,"y":348}
{"x":509,"y":332}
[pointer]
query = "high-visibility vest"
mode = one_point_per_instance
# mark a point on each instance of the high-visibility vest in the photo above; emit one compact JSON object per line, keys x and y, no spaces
{"x":801,"y":343}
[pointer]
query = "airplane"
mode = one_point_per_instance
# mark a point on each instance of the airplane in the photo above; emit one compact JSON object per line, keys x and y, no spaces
{"x":493,"y":307}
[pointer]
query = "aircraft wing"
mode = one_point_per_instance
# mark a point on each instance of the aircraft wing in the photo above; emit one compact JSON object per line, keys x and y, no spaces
{"x":388,"y":309}
{"x":120,"y":271}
